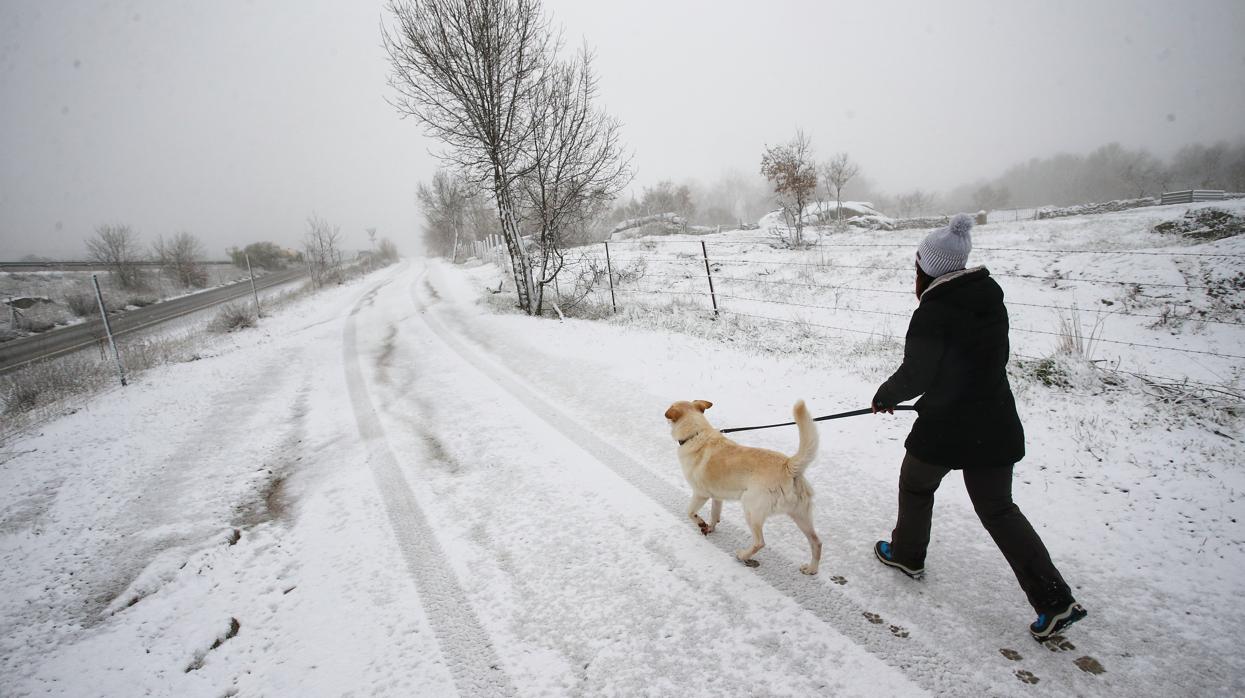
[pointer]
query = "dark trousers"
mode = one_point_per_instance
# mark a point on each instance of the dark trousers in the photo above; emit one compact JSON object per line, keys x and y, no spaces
{"x":990,"y":489}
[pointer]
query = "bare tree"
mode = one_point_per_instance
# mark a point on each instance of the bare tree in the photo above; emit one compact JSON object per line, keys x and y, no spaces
{"x":387,"y":252}
{"x":988,"y":197}
{"x":667,"y":197}
{"x":268,"y":255}
{"x":577,"y":161}
{"x":733,"y":199}
{"x":181,"y":256}
{"x":791,"y":171}
{"x":914,"y":203}
{"x":1142,"y":171}
{"x":320,"y":247}
{"x":468,"y":70}
{"x":838,"y":172}
{"x":117,"y":247}
{"x":444,"y":205}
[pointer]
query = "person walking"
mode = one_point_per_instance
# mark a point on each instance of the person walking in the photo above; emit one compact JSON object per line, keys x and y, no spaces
{"x":955,"y":358}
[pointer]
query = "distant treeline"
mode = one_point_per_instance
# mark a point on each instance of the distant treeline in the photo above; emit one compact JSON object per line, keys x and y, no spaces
{"x":1108,"y":173}
{"x":739,"y":197}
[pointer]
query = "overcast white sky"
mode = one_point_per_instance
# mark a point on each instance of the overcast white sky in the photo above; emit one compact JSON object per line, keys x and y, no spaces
{"x":236,"y":120}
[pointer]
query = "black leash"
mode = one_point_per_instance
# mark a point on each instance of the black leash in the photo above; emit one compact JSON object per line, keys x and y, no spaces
{"x":853,"y":413}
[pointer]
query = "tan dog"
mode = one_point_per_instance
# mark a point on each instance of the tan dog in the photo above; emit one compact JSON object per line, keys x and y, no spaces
{"x":765,"y":482}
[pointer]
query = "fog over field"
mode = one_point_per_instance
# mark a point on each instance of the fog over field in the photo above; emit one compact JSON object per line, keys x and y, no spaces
{"x":236,"y":121}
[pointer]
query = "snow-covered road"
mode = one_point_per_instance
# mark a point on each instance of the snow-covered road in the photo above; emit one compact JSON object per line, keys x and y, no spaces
{"x":389,"y":490}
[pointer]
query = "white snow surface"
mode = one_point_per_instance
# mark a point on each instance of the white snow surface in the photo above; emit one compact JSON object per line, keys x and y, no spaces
{"x":391,"y":489}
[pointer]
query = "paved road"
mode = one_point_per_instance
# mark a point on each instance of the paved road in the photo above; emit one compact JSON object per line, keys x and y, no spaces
{"x":81,"y":266}
{"x":19,"y":352}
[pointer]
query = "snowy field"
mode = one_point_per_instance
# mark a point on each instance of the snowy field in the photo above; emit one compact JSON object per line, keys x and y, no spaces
{"x":1152,"y":303}
{"x":393,"y":488}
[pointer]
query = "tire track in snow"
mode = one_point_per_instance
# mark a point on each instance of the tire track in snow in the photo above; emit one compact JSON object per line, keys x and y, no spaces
{"x":922,"y":663}
{"x":467,"y":649}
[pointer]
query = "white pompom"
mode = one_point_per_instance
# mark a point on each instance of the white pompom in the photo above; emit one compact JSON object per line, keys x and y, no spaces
{"x":961,"y":223}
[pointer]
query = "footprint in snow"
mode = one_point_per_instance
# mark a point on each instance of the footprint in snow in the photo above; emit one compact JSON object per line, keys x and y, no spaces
{"x":872,"y":618}
{"x":898,"y":631}
{"x":1026,"y":676}
{"x":1011,"y":654}
{"x":1058,"y":643}
{"x":1089,"y":665}
{"x":839,"y":580}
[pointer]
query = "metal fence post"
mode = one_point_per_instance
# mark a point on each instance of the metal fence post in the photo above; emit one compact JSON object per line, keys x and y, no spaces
{"x":712,"y":295}
{"x":253,"y":291}
{"x":116,"y":356}
{"x":609,"y":271}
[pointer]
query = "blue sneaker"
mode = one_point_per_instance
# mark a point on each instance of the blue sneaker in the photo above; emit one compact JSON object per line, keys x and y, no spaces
{"x":1050,"y":622}
{"x":883,"y":550}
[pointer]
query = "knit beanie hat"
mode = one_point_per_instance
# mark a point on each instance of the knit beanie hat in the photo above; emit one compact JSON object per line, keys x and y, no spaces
{"x":946,"y":249}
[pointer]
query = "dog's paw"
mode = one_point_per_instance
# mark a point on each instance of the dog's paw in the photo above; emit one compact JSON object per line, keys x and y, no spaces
{"x":808,"y":569}
{"x":705,"y":529}
{"x":742,"y":556}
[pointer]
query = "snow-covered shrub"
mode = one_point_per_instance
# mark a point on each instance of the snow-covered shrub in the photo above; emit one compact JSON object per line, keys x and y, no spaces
{"x":233,"y":316}
{"x":20,"y":395}
{"x":142,"y":301}
{"x":82,"y":304}
{"x":1049,"y":372}
{"x":787,"y":238}
{"x":1204,"y":224}
{"x":44,"y":382}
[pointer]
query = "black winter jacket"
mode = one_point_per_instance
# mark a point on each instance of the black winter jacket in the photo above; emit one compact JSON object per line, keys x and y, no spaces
{"x":955,"y":356}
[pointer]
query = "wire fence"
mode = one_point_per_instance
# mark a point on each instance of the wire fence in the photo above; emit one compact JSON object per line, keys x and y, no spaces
{"x":728,"y":278}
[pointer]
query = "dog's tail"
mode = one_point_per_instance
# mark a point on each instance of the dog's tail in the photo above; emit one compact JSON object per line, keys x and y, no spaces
{"x":808,"y":440}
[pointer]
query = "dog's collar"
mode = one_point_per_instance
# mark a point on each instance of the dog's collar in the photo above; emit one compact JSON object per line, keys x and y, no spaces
{"x":683,"y":441}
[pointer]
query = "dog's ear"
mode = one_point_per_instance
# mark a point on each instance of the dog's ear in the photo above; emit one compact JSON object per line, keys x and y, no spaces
{"x":702,"y":405}
{"x":674,"y":413}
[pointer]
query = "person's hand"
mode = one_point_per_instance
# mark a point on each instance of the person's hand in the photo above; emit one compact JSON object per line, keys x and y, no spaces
{"x":881,"y":404}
